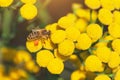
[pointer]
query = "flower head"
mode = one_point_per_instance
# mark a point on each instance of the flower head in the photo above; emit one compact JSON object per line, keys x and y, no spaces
{"x":93,"y":4}
{"x":55,"y":66}
{"x":58,"y":36}
{"x":83,"y":42}
{"x":93,"y":63}
{"x":105,"y":16}
{"x":5,"y":3}
{"x":28,"y":11}
{"x":102,"y":77}
{"x":34,"y":46}
{"x":66,"y":47}
{"x":44,"y":57}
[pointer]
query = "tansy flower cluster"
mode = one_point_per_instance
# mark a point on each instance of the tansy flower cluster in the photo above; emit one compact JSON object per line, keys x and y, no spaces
{"x":17,"y":64}
{"x":27,"y":8}
{"x":88,"y":37}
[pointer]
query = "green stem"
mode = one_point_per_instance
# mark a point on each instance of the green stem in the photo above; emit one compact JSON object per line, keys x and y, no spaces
{"x":7,"y":19}
{"x":91,"y":16}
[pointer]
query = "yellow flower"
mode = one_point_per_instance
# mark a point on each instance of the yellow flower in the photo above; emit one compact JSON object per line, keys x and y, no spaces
{"x":58,"y":36}
{"x":59,"y":56}
{"x":114,"y":60}
{"x":81,"y":24}
{"x":5,"y":3}
{"x":93,"y":4}
{"x":103,"y":53}
{"x":117,"y":75}
{"x":72,"y":33}
{"x":102,"y":77}
{"x":28,"y":1}
{"x":44,"y":57}
{"x":52,"y":27}
{"x":34,"y":46}
{"x":55,"y":66}
{"x":94,"y":31}
{"x":116,"y":45}
{"x":78,"y":75}
{"x":85,"y":14}
{"x":93,"y":63}
{"x":83,"y":42}
{"x":107,"y":4}
{"x":66,"y":47}
{"x":76,"y":6}
{"x":116,"y":17}
{"x":72,"y":16}
{"x":22,"y":56}
{"x":81,"y":12}
{"x":28,"y":11}
{"x":66,"y":21}
{"x":117,"y":4}
{"x":30,"y":65}
{"x":13,"y":75}
{"x":22,"y":73}
{"x":105,"y":16}
{"x":6,"y":78}
{"x":48,"y":44}
{"x":114,"y":30}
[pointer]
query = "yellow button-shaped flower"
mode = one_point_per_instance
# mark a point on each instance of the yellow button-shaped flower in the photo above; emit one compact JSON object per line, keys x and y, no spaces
{"x":114,"y":60}
{"x":65,"y":22}
{"x":48,"y":44}
{"x":108,"y":4}
{"x":22,"y":56}
{"x":117,"y":4}
{"x":59,"y":56}
{"x":83,"y":42}
{"x":44,"y":57}
{"x":103,"y":53}
{"x":72,"y":33}
{"x":66,"y":47}
{"x":78,"y":75}
{"x":114,"y":30}
{"x":93,"y":4}
{"x":28,"y":1}
{"x":93,"y":63}
{"x":5,"y":3}
{"x":102,"y":77}
{"x":117,"y":75}
{"x":55,"y":66}
{"x":94,"y":31}
{"x":52,"y":27}
{"x":105,"y":16}
{"x":33,"y":46}
{"x":28,"y":11}
{"x":116,"y":16}
{"x":81,"y":24}
{"x":116,"y":45}
{"x":58,"y":36}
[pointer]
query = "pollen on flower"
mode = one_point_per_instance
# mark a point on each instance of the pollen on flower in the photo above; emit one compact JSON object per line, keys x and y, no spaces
{"x":36,"y":42}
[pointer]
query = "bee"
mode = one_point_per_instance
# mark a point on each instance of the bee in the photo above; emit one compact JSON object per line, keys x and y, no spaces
{"x":37,"y":34}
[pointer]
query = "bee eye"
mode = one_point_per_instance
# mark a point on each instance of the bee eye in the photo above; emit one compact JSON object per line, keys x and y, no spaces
{"x":44,"y":32}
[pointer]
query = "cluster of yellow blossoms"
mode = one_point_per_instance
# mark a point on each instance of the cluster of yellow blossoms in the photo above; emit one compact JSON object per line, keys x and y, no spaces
{"x":27,"y":10}
{"x":16,"y":64}
{"x":89,"y":38}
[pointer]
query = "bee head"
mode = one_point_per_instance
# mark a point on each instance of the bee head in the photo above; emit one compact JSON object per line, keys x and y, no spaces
{"x":45,"y":32}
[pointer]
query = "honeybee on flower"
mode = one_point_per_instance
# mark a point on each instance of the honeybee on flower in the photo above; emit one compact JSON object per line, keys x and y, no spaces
{"x":38,"y":34}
